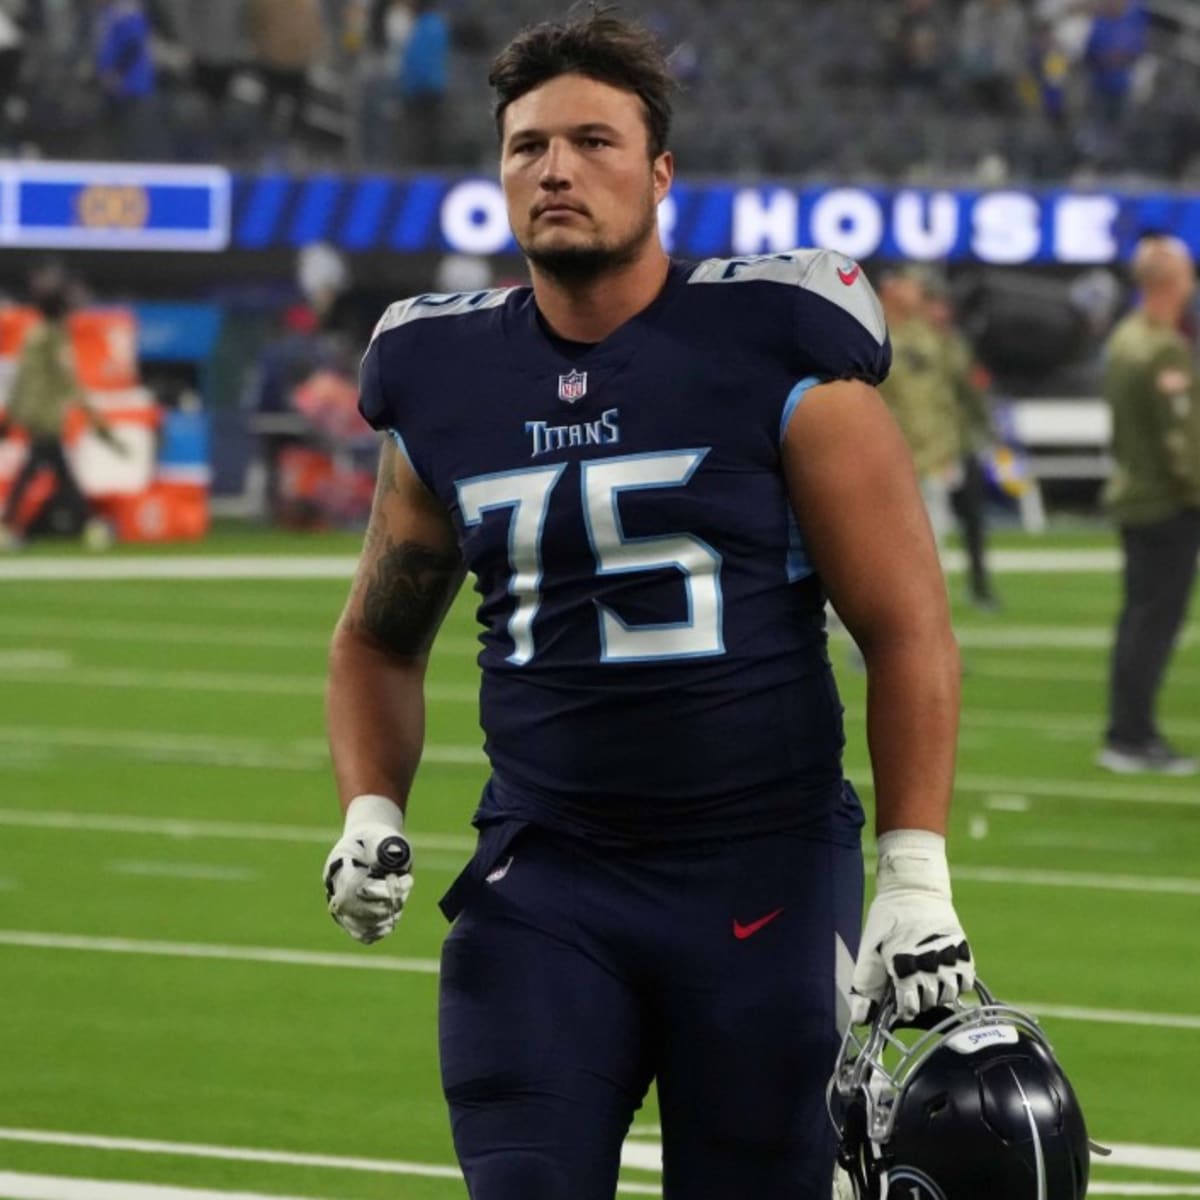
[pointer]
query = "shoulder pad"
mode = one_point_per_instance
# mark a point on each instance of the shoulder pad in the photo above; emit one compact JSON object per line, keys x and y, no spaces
{"x":429,"y":304}
{"x":823,"y":273}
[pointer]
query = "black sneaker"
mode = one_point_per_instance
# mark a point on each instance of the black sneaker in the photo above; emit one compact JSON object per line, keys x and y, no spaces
{"x":1154,"y":757}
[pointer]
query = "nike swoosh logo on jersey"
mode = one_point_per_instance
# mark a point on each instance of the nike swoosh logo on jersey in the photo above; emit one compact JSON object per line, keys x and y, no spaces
{"x":742,"y":932}
{"x":848,"y":277}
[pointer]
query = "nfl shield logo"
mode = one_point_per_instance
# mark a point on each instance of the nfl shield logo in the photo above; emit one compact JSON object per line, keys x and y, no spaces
{"x":572,"y":387}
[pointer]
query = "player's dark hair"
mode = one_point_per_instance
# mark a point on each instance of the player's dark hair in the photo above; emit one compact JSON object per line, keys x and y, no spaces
{"x":601,"y":45}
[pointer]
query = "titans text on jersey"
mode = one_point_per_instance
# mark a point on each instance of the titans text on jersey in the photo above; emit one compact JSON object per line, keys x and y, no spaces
{"x":653,"y":658}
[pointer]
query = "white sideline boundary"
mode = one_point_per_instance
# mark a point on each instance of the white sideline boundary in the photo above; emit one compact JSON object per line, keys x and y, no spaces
{"x":14,"y":1186}
{"x":341,"y":566}
{"x":645,"y":1157}
{"x":19,"y":1186}
{"x":369,"y":960}
{"x":454,"y":843}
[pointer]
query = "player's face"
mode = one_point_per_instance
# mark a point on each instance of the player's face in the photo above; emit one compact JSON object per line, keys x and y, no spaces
{"x":581,"y":188}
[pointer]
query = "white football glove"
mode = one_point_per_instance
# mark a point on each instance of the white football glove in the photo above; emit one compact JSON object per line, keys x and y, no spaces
{"x":912,"y":936}
{"x":364,"y":899}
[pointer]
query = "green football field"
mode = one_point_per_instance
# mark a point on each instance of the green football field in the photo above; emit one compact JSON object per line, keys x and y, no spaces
{"x":181,"y":1017}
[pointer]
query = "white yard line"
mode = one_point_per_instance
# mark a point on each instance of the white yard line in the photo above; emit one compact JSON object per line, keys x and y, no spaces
{"x":1182,"y":794}
{"x":1072,"y":637}
{"x":235,"y":830}
{"x":161,"y":632}
{"x":361,"y":961}
{"x":375,"y":1166}
{"x":1098,"y":881}
{"x":16,"y":1186}
{"x":369,"y":960}
{"x":202,"y":872}
{"x":1141,"y":1189}
{"x":303,"y":754}
{"x":645,"y":1157}
{"x":237,"y":682}
{"x":340,"y":566}
{"x":239,"y":566}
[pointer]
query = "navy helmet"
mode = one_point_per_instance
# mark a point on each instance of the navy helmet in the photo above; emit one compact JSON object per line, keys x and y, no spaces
{"x":969,"y":1103}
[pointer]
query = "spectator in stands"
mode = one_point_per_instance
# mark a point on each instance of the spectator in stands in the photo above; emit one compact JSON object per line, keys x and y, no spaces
{"x":44,"y":388}
{"x":287,"y":38}
{"x":993,"y":42}
{"x":424,"y":78}
{"x":214,"y":34}
{"x":1049,"y":73}
{"x":920,"y":393}
{"x":913,"y":36}
{"x":1154,"y":494}
{"x":1116,"y":42}
{"x":12,"y":53}
{"x":385,"y":29}
{"x":125,"y":70}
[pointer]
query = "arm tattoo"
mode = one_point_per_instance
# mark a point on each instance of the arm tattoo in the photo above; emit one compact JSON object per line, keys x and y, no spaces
{"x":407,"y":593}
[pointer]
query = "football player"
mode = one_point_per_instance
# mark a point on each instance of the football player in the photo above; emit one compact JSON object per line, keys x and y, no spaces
{"x":656,"y":472}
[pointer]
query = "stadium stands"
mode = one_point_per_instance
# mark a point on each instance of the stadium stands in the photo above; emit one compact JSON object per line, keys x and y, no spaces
{"x":851,"y":89}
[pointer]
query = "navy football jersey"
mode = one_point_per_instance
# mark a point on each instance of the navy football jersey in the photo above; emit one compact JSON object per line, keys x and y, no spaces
{"x":653,"y":661}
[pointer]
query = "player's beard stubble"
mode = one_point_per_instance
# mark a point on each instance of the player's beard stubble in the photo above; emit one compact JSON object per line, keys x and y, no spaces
{"x":585,"y":262}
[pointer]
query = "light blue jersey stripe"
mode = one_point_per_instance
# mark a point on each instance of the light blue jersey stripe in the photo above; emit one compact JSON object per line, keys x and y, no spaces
{"x":798,"y":565}
{"x":793,"y":401}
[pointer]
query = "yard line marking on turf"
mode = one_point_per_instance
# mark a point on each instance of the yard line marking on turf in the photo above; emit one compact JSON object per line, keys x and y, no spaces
{"x":14,"y":1186}
{"x":341,"y":566}
{"x":1181,"y":795}
{"x":1007,"y":803}
{"x":144,"y":632}
{"x":370,"y":961}
{"x":1162,"y":1158}
{"x":1141,"y":1189}
{"x":241,"y":566}
{"x":174,"y":870}
{"x":259,"y":954}
{"x":206,"y":681}
{"x":376,"y":1166}
{"x":1098,"y":881}
{"x":1155,"y":1158}
{"x":305,"y":753}
{"x":34,"y":660}
{"x":1009,"y":637}
{"x":236,"y":830}
{"x":1116,"y":1016}
{"x":302,"y":754}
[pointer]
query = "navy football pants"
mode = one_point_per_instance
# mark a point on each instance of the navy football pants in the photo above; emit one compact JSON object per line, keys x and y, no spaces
{"x":579,"y":974}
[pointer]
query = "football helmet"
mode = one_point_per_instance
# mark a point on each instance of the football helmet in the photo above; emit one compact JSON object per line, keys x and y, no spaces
{"x":964,"y":1103}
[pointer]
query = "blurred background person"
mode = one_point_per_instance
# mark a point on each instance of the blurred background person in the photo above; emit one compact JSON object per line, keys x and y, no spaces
{"x":424,"y":78}
{"x":920,"y":392}
{"x":970,"y":382}
{"x":44,"y":389}
{"x":993,"y":48}
{"x":12,"y":55}
{"x":1154,"y":495}
{"x":286,"y":40}
{"x":129,"y":82}
{"x":1115,"y":45}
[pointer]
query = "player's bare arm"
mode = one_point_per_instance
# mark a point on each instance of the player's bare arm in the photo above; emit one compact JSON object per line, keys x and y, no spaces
{"x":407,"y":577}
{"x":855,"y":495}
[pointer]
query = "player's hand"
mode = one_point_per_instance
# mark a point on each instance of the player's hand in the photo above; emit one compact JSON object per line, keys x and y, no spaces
{"x":366,"y":896}
{"x":912,"y":938}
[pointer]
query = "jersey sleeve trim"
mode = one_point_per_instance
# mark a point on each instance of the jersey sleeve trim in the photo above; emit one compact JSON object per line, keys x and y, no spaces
{"x":429,"y":305}
{"x":396,"y":437}
{"x":793,"y":401}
